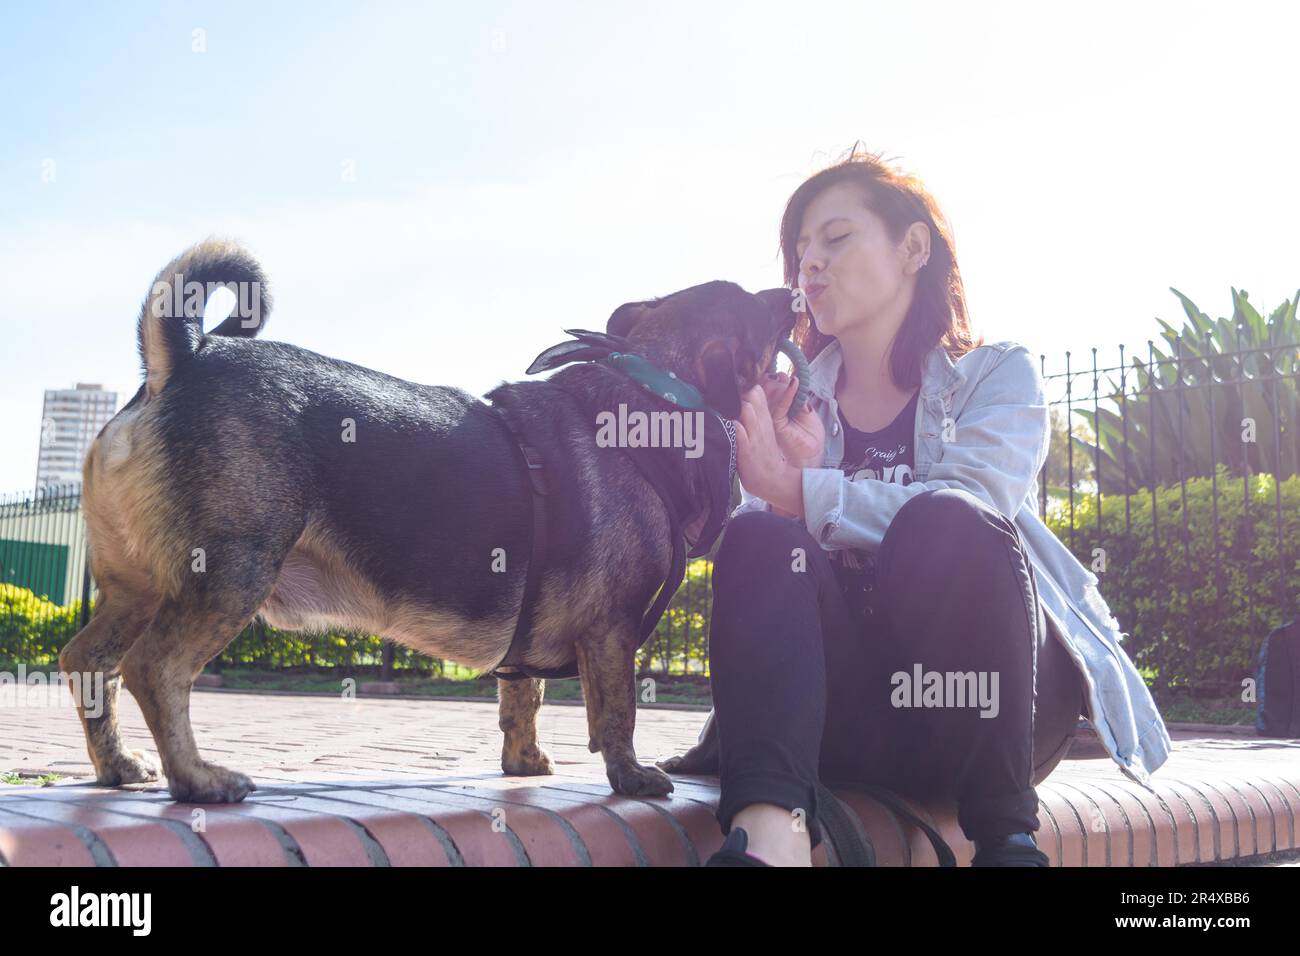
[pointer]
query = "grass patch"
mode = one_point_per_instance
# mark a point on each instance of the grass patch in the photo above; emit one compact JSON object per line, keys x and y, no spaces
{"x":1179,"y":708}
{"x":667,"y":690}
{"x":1230,"y":711}
{"x":24,"y":779}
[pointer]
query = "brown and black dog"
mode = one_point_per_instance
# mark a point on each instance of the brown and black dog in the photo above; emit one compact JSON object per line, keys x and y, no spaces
{"x":249,"y":477}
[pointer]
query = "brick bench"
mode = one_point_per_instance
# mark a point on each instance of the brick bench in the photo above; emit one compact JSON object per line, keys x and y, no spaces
{"x":415,"y":782}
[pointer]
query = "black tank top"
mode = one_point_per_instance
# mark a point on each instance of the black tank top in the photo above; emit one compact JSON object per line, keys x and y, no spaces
{"x":884,"y":455}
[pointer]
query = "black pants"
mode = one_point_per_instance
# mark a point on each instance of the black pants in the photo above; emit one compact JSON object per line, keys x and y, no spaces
{"x":811,"y":671}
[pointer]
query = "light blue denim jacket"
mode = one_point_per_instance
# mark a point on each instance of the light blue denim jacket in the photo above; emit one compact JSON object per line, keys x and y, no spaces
{"x":993,"y":403}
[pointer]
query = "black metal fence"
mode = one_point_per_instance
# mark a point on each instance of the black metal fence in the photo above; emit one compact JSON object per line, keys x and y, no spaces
{"x":45,"y":585}
{"x":1184,"y":486}
{"x":1179,"y":487}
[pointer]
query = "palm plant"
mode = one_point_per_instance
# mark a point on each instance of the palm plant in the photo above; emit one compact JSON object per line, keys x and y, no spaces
{"x":1225,"y":392}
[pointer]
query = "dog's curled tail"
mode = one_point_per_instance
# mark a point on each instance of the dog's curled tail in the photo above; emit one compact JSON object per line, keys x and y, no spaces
{"x":170,"y":328}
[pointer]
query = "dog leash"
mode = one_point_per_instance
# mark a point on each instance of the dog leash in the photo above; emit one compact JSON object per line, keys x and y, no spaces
{"x":534,"y":464}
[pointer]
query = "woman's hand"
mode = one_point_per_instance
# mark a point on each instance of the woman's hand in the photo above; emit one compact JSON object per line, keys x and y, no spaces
{"x":801,"y":436}
{"x":763,"y":467}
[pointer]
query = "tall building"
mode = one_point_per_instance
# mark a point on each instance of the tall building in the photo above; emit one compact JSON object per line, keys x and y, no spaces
{"x":71,"y":419}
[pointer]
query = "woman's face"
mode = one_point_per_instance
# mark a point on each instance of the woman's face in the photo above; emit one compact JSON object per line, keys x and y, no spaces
{"x":849,"y":268}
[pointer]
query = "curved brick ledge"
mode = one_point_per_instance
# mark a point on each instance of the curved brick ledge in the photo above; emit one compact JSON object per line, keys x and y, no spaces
{"x":415,"y":783}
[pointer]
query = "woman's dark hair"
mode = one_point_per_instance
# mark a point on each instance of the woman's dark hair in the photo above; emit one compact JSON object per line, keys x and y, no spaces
{"x":938,"y":310}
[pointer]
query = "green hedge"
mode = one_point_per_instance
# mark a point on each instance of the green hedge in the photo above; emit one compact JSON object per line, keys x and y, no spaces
{"x":262,"y":646}
{"x":32,"y":629}
{"x":1182,"y":630}
{"x":680,"y":644}
{"x":1185,"y":629}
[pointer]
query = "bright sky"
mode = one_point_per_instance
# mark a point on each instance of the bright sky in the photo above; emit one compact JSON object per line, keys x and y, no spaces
{"x":520,"y":168}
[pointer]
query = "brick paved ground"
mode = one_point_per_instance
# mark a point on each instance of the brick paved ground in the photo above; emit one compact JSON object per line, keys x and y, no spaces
{"x":375,"y":781}
{"x":278,"y":739}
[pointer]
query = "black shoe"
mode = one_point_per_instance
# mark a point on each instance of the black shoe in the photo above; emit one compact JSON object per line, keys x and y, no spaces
{"x":732,"y":852}
{"x":1017,"y":849}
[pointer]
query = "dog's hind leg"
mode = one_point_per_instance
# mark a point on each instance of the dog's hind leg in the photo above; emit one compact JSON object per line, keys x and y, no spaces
{"x":92,"y":662}
{"x":159,"y":670}
{"x":519,"y":702}
{"x":607,"y":667}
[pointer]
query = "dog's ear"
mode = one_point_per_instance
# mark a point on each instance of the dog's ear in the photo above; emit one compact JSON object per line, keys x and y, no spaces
{"x":626,"y":316}
{"x":718,"y":379}
{"x":564,"y":353}
{"x":590,"y":345}
{"x":615,"y":343}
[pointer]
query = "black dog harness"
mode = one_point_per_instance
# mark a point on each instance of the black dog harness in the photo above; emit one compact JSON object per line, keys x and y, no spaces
{"x":615,"y":353}
{"x":532,"y":461}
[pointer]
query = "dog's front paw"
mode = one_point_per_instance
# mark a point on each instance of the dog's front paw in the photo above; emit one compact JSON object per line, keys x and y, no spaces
{"x":634,"y":780}
{"x":208,"y":783}
{"x":529,"y":762}
{"x":133,"y":766}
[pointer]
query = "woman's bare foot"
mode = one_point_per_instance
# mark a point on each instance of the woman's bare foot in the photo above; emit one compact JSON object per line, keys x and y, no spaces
{"x":775,"y":834}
